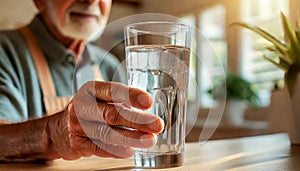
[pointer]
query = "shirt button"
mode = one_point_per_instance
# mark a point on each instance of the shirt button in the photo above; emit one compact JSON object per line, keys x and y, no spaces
{"x":70,"y":59}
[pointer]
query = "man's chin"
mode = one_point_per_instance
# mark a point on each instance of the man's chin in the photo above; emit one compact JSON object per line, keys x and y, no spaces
{"x":78,"y":35}
{"x":82,"y":35}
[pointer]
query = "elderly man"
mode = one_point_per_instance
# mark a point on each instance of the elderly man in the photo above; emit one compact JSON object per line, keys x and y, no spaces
{"x":39,"y":68}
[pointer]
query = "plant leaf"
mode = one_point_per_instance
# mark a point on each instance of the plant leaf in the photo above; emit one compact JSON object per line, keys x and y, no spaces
{"x":298,"y":21}
{"x":291,"y":37}
{"x":272,"y":49}
{"x":278,"y":44}
{"x":282,"y":56}
{"x":278,"y":64}
{"x":298,"y":37}
{"x":283,"y":63}
{"x":298,"y":34}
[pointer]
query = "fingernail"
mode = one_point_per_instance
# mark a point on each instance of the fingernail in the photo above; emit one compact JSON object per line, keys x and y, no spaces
{"x":144,"y":100}
{"x":148,"y":140}
{"x":126,"y":152}
{"x":129,"y":152}
{"x":157,"y":125}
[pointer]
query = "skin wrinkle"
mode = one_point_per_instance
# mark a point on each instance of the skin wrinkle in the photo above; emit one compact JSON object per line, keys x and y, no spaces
{"x":130,"y":92}
{"x":137,"y":119}
{"x":113,"y":135}
{"x":90,"y":89}
{"x":126,"y":134}
{"x":111,"y":115}
{"x":106,"y":134}
{"x":118,"y":89}
{"x":105,"y":150}
{"x":102,"y":111}
{"x":110,"y":149}
{"x":54,"y":134}
{"x":107,"y":93}
{"x":49,"y":138}
{"x":125,"y":114}
{"x":133,"y":138}
{"x":107,"y":113}
{"x":117,"y":137}
{"x":127,"y":117}
{"x":82,"y":152}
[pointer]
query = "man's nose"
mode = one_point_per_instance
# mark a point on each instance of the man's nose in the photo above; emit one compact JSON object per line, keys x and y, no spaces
{"x":103,"y":4}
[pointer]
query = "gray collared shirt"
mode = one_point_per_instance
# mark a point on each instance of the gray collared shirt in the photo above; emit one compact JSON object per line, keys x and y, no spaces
{"x":20,"y":93}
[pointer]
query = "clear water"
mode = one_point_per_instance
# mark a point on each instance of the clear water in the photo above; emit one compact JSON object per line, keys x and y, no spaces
{"x":162,"y":71}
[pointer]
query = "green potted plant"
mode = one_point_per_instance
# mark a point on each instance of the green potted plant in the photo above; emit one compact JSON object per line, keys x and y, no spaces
{"x":238,"y":93}
{"x":285,"y":54}
{"x":237,"y":88}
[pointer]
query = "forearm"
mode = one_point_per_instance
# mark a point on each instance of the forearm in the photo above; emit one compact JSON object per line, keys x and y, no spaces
{"x":27,"y":142}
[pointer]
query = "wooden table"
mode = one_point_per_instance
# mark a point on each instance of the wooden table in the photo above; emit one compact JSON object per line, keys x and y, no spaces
{"x":268,"y":152}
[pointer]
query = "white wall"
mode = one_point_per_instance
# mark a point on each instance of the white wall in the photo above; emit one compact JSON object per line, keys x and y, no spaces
{"x":119,"y":11}
{"x":14,"y":13}
{"x":17,"y":12}
{"x":174,"y":7}
{"x":295,"y":11}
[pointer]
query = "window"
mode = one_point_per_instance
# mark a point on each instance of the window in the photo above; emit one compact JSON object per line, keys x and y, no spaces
{"x":212,"y":49}
{"x":210,"y":55}
{"x":265,"y":14}
{"x":245,"y":47}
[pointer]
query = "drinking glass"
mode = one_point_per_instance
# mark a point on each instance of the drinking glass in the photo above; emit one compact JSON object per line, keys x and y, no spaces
{"x":157,"y":61}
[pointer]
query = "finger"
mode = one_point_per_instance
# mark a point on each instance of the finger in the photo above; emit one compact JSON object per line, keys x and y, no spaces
{"x":118,"y":93}
{"x":120,"y":116}
{"x":120,"y":104}
{"x":100,"y":149}
{"x":111,"y":150}
{"x":119,"y":136}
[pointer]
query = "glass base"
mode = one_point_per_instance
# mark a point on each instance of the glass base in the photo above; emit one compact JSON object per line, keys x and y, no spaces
{"x":158,"y":161}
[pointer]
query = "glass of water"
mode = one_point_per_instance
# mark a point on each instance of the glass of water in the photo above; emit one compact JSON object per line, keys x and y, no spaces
{"x":157,"y":61}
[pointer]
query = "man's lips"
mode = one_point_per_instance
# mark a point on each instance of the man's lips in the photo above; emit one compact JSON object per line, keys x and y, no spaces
{"x":83,"y":15}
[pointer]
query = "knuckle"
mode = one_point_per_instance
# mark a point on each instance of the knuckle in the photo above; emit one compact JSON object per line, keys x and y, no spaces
{"x":119,"y":92}
{"x":103,"y":89}
{"x":126,"y":137}
{"x":73,"y":141}
{"x":87,"y":86}
{"x":105,"y":133}
{"x":135,"y":119}
{"x":129,"y":116}
{"x":111,"y":115}
{"x":109,"y":149}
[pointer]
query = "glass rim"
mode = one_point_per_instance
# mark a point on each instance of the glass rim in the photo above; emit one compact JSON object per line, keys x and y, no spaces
{"x":132,"y":27}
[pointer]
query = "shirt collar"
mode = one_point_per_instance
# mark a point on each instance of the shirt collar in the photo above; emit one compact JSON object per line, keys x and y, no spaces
{"x":53,"y":49}
{"x":93,"y":54}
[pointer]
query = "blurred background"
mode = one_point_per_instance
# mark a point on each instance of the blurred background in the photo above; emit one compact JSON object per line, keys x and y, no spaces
{"x":236,"y":50}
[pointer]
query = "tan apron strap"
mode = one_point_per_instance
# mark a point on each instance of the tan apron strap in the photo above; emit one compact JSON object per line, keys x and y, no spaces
{"x":3,"y":121}
{"x":41,"y":65}
{"x":52,"y":103}
{"x":56,"y":104}
{"x":97,"y":73}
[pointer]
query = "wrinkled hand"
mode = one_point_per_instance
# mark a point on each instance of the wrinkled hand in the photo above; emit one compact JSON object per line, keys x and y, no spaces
{"x":93,"y":125}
